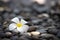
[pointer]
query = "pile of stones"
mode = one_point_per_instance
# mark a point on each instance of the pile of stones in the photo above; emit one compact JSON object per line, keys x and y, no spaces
{"x":43,"y":20}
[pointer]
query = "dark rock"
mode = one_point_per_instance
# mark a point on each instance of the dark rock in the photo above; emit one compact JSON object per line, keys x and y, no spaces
{"x":58,"y":34}
{"x":52,"y":30}
{"x":27,"y":9}
{"x":49,"y":36}
{"x":32,"y":28}
{"x":14,"y":38}
{"x":6,"y":15}
{"x":26,"y":2}
{"x":46,"y":35}
{"x":40,"y":8}
{"x":36,"y":21}
{"x":5,"y":1}
{"x":42,"y":31}
{"x":5,"y":39}
{"x":16,"y":11}
{"x":2,"y":34}
{"x":1,"y":27}
{"x":24,"y":38}
{"x":0,"y":18}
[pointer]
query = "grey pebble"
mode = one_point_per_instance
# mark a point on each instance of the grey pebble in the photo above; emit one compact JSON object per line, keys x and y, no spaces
{"x":58,"y":34}
{"x":2,"y":34}
{"x":52,"y":30}
{"x":42,"y":31}
{"x":8,"y":34}
{"x":14,"y":38}
{"x":5,"y":39}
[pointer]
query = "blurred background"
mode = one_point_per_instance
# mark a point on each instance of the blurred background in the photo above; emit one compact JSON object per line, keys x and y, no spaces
{"x":43,"y":16}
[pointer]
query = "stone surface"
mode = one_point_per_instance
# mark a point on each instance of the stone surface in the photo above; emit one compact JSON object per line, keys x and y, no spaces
{"x":43,"y":19}
{"x":8,"y":34}
{"x":35,"y":33}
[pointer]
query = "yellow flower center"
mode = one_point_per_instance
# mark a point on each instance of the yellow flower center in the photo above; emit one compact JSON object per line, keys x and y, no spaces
{"x":19,"y":24}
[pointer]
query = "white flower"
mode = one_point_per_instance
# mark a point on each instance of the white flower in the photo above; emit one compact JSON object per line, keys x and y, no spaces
{"x":19,"y":25}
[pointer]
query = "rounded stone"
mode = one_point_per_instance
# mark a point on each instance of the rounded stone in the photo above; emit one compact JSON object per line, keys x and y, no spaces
{"x":52,"y":30}
{"x":2,"y":34}
{"x":2,"y":9}
{"x":14,"y":38}
{"x":35,"y":33}
{"x":31,"y":29}
{"x":5,"y":39}
{"x":5,"y":1}
{"x":8,"y":34}
{"x":58,"y":34}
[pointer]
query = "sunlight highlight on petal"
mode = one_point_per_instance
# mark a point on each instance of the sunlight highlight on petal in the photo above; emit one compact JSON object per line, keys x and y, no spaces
{"x":23,"y":29}
{"x":16,"y":20}
{"x":23,"y":21}
{"x":12,"y":26}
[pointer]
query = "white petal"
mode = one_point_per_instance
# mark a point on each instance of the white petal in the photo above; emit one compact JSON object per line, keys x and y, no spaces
{"x":23,"y":21}
{"x":15,"y":30}
{"x":12,"y":26}
{"x":23,"y":29}
{"x":16,"y":20}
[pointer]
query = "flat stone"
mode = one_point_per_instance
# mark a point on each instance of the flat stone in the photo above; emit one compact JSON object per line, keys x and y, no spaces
{"x":14,"y":38}
{"x":24,"y":38}
{"x":5,"y":39}
{"x":8,"y":34}
{"x":43,"y":15}
{"x":52,"y":30}
{"x":35,"y":33}
{"x":5,"y":1}
{"x":31,"y":29}
{"x":46,"y":35}
{"x":58,"y":34}
{"x":2,"y":9}
{"x":2,"y":34}
{"x":42,"y":30}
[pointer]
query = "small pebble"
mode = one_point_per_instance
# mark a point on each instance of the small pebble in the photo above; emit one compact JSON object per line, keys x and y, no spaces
{"x":8,"y":34}
{"x":2,"y":9}
{"x":35,"y":33}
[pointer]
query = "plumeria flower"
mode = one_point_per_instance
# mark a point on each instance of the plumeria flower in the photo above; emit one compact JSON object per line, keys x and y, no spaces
{"x":18,"y":25}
